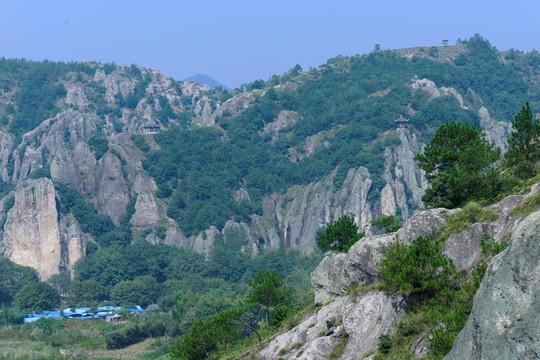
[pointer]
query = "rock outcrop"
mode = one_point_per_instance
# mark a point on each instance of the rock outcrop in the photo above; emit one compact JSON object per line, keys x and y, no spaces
{"x":504,"y":321}
{"x":336,"y":272}
{"x":496,"y":132}
{"x":362,"y":319}
{"x":464,"y":248}
{"x":36,"y":235}
{"x":294,"y":218}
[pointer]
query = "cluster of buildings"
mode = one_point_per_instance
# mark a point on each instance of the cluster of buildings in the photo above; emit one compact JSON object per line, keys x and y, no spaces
{"x":105,"y":313}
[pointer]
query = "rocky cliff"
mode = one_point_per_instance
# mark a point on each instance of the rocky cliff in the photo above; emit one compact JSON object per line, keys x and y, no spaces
{"x":36,"y":235}
{"x":503,"y":322}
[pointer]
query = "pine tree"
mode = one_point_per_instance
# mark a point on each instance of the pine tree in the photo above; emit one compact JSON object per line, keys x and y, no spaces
{"x":459,"y":166}
{"x":524,"y":143}
{"x":339,"y":236}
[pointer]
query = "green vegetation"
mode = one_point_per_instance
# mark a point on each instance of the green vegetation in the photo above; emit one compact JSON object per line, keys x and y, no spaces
{"x":419,"y":269}
{"x":439,"y":298}
{"x":268,"y":290}
{"x":100,"y":226}
{"x":12,"y":278}
{"x":236,"y":327}
{"x":339,"y":236}
{"x":386,"y":224}
{"x":339,"y":348}
{"x":524,"y":144}
{"x":459,"y":166}
{"x":491,"y":247}
{"x":531,"y":204}
{"x":37,"y":295}
{"x":348,"y":102}
{"x":459,"y":221}
{"x":98,"y":144}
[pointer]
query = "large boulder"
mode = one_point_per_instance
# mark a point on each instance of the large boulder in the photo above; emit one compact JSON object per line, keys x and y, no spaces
{"x":362,"y":319}
{"x":464,"y":248}
{"x":35,"y":235}
{"x":336,"y":272}
{"x":504,"y":322}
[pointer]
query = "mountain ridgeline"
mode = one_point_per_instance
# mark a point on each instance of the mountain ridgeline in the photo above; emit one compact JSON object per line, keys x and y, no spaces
{"x":99,"y":155}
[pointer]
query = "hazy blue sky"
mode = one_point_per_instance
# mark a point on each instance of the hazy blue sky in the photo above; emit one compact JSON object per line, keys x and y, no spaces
{"x":241,"y":41}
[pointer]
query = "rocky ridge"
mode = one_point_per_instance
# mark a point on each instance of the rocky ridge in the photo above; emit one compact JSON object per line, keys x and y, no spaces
{"x":503,"y":319}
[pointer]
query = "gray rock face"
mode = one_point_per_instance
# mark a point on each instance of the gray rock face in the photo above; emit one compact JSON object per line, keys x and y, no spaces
{"x":76,"y":97}
{"x":33,"y":234}
{"x":504,"y":322}
{"x":337,"y":271}
{"x":295,"y":217}
{"x":284,"y":119}
{"x":496,"y":132}
{"x":363,"y":319}
{"x":464,"y":248}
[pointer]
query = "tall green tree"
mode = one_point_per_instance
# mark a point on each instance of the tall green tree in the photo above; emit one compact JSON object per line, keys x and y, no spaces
{"x":268,"y":290}
{"x":524,"y":143}
{"x":37,"y":295}
{"x":459,"y":166}
{"x":13,"y":277}
{"x":60,"y":282}
{"x":206,"y":335}
{"x":85,"y":293}
{"x":339,"y":236}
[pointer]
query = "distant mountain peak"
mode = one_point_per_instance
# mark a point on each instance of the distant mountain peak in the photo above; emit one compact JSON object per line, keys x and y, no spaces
{"x":206,"y":80}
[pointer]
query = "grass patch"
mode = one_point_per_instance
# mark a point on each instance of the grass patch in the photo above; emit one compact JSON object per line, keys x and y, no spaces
{"x":297,"y":345}
{"x":297,"y":317}
{"x":531,"y":204}
{"x":461,"y":220}
{"x":339,"y":349}
{"x":353,"y":290}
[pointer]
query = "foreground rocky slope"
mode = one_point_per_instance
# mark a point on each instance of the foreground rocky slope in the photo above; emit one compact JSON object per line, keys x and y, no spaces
{"x":503,"y":323}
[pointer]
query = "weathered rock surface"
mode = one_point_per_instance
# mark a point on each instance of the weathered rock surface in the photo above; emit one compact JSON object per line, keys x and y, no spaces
{"x":295,"y":217}
{"x":429,"y":87}
{"x":464,"y":248}
{"x":337,"y":271}
{"x":33,"y":235}
{"x":504,"y":322}
{"x":362,"y":319}
{"x":496,"y":132}
{"x":284,"y":119}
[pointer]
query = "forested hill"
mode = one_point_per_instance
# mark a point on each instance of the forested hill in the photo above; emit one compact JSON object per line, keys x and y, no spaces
{"x":128,"y":153}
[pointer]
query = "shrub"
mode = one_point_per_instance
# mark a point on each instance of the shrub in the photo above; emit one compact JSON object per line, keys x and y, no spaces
{"x":339,"y":236}
{"x":528,"y":206}
{"x":385,"y":343}
{"x":468,"y":215}
{"x":490,"y":246}
{"x":419,"y":268}
{"x":130,"y":334}
{"x":339,"y":348}
{"x":386,"y":224}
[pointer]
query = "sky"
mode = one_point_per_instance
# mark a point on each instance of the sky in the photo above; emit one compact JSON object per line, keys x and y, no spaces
{"x":237,"y":42}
